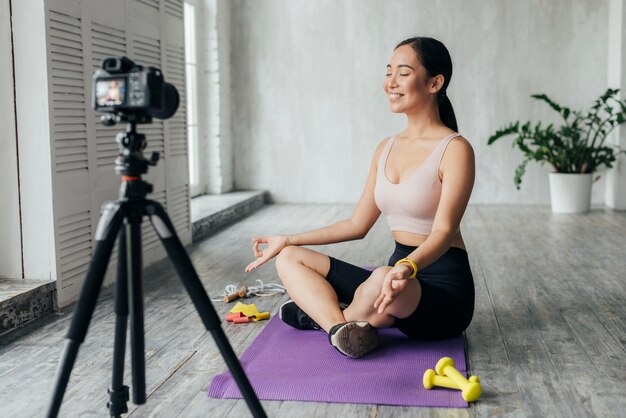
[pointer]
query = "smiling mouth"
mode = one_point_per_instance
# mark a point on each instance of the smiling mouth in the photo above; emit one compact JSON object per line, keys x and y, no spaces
{"x":395,"y":96}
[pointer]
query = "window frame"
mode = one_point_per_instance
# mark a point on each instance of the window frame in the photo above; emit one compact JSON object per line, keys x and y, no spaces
{"x":195,"y":147}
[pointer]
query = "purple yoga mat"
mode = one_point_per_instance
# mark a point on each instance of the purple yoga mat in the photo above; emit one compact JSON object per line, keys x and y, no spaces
{"x":283,"y":363}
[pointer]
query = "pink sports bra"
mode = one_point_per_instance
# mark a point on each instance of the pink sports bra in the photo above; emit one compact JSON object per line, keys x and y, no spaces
{"x":411,"y":204}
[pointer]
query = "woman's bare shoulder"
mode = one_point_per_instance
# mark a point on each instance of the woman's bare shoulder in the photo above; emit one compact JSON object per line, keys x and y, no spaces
{"x":458,"y":148}
{"x":461,"y":144}
{"x":380,"y":147}
{"x":459,"y":156}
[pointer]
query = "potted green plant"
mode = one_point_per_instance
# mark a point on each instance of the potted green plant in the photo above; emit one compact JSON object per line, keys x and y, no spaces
{"x":575,"y":150}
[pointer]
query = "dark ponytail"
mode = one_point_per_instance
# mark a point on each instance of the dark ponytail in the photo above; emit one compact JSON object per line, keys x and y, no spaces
{"x":435,"y":58}
{"x":446,"y":113}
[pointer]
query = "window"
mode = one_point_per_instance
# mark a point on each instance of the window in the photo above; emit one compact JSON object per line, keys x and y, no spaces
{"x":195,"y":184}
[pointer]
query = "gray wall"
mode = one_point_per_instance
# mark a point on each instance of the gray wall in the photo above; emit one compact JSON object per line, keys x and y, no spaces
{"x":308,"y":107}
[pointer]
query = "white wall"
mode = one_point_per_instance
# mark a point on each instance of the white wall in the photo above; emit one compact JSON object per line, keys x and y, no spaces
{"x":10,"y":244}
{"x":308,"y":106}
{"x":216,"y":159}
{"x":33,"y":118}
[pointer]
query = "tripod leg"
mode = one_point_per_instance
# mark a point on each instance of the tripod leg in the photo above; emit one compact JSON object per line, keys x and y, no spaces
{"x":135,"y":298}
{"x":175,"y":250}
{"x":118,"y":392}
{"x":109,"y":225}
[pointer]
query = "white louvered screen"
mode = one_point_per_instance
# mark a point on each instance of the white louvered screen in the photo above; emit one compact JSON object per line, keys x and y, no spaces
{"x":174,"y":8}
{"x":179,"y":209}
{"x":68,"y":91}
{"x":150,"y":3}
{"x":75,"y":245}
{"x":147,"y":51}
{"x":73,"y":227}
{"x":80,"y":33}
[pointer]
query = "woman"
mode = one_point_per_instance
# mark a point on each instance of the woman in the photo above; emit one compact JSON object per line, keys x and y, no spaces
{"x":421,"y":179}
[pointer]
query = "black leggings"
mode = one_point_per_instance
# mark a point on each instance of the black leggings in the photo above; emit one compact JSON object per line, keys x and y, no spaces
{"x":447,"y":304}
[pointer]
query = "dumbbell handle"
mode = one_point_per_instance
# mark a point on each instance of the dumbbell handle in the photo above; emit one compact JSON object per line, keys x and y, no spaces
{"x":444,"y":382}
{"x":455,"y":376}
{"x":432,"y":379}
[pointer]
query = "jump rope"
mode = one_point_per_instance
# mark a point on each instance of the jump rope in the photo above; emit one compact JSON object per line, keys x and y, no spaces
{"x":234,"y":291}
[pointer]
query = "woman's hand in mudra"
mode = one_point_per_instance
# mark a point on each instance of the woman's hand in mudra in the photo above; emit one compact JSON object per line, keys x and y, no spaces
{"x":274,"y":246}
{"x":394,"y":284}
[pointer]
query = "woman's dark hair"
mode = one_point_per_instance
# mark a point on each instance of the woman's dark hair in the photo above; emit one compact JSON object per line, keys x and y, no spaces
{"x":435,"y":57}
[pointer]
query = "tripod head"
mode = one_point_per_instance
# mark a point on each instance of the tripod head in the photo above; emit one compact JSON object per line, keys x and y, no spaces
{"x":130,"y":163}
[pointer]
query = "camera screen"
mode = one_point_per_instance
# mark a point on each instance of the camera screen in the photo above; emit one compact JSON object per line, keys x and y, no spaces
{"x":111,"y":92}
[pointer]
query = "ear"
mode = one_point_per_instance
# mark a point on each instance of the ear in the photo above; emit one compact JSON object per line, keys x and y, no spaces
{"x":436,"y":83}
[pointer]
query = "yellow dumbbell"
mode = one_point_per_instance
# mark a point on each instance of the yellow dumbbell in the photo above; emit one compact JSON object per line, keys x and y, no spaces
{"x":469,"y":390}
{"x":432,"y":379}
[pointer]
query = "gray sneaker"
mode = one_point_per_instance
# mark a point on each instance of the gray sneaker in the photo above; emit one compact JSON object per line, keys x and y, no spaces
{"x":354,"y":339}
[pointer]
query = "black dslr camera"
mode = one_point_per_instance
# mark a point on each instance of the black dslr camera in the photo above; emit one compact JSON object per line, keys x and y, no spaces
{"x":127,"y":92}
{"x":132,"y":93}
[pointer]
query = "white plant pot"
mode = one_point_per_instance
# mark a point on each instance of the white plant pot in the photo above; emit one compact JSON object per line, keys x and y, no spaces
{"x":570,"y":193}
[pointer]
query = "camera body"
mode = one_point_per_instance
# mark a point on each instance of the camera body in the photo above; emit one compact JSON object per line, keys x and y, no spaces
{"x":127,"y":89}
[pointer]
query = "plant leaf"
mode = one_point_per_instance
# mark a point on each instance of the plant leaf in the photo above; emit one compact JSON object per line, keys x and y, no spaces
{"x":519,"y":173}
{"x":507,"y":130}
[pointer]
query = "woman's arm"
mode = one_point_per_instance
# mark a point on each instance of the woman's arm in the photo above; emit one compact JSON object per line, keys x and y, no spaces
{"x":458,"y":172}
{"x":356,"y":227}
{"x":365,"y":215}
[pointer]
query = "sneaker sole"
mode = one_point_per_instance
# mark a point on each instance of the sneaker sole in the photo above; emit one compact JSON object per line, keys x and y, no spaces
{"x":364,"y":339}
{"x":280,"y":310}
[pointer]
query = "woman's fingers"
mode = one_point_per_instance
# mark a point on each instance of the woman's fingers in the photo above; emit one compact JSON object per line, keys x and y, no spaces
{"x":379,"y":300}
{"x":386,"y":302}
{"x":255,"y":246}
{"x":380,"y":303}
{"x":398,"y":285}
{"x":393,"y":285}
{"x":386,"y":295}
{"x":387,"y":288}
{"x":254,"y":265}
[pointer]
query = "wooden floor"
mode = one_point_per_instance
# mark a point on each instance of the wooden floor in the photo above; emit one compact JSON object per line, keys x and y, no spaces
{"x":548,"y":336}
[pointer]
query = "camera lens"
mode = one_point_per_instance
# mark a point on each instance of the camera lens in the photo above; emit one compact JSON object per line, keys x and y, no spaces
{"x":171,"y":100}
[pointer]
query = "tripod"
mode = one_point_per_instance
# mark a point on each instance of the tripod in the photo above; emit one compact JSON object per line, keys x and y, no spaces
{"x":122,"y":219}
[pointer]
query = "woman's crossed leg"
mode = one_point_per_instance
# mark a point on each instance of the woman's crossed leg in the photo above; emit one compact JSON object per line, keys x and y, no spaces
{"x":304,"y":271}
